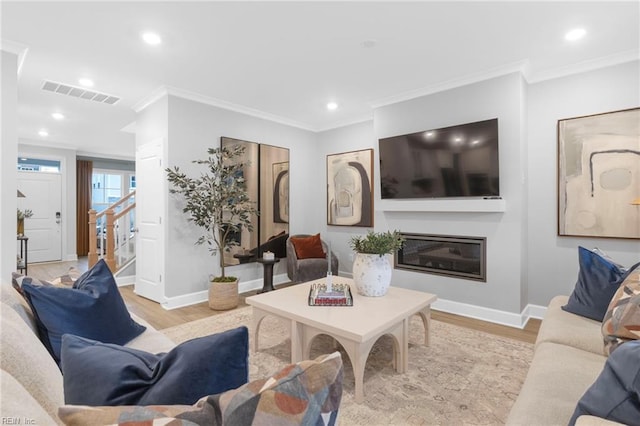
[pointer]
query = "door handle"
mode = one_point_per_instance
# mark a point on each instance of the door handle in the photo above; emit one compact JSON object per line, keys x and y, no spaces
{"x":58,"y":215}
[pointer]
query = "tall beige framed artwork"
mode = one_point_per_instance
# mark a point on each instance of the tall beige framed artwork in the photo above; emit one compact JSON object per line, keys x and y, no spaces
{"x":599,"y":175}
{"x":350,"y":188}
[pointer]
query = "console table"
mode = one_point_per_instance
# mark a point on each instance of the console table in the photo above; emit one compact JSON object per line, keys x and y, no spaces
{"x":268,"y":274}
{"x":23,"y":262}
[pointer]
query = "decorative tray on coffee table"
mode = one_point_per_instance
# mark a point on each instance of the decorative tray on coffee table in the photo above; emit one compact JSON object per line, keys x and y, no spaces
{"x":340,"y":295}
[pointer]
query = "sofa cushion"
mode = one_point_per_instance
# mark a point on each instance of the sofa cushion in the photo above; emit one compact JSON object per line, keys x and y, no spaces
{"x":306,"y":393}
{"x":598,"y":279}
{"x":151,"y":340}
{"x":614,"y":394}
{"x":622,"y":321}
{"x":557,"y":378}
{"x":308,"y":247}
{"x":18,"y":405}
{"x":23,"y":356}
{"x":569,"y":329}
{"x":92,"y":308}
{"x":125,"y":376}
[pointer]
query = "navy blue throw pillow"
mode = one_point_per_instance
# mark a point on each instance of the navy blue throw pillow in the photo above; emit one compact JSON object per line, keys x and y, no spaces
{"x":96,"y":373}
{"x":615,"y":393}
{"x":92,"y":308}
{"x":598,"y":280}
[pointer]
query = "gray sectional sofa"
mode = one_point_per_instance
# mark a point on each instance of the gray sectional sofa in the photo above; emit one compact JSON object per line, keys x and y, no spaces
{"x":567,"y":360}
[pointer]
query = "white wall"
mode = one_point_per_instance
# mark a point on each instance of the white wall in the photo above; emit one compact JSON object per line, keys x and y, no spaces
{"x":553,"y":261}
{"x":527,"y":262}
{"x":67,"y":158}
{"x":501,"y":97}
{"x":8,"y":159}
{"x":192,"y":128}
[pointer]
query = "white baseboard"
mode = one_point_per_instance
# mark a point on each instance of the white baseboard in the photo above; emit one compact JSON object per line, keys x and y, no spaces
{"x":203,"y":296}
{"x":472,"y":311}
{"x":489,"y":314}
{"x":534,"y":311}
{"x":128,"y":280}
{"x":71,"y":258}
{"x":185,"y":300}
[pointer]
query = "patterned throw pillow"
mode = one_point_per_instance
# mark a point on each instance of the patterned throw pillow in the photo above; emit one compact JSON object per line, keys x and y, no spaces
{"x":622,"y":321}
{"x":17,"y":280}
{"x":306,"y":393}
{"x":67,"y":279}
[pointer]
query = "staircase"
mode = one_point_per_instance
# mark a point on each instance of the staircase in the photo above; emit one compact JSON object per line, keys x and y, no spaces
{"x":112,"y":234}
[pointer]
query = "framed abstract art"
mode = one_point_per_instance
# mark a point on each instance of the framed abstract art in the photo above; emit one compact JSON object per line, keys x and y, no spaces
{"x":599,"y":175}
{"x":350,"y":188}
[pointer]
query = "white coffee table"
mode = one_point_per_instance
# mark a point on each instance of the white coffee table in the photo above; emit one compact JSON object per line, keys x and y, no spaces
{"x":356,"y":327}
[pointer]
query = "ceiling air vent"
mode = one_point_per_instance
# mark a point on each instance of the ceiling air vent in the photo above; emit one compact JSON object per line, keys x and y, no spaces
{"x":79,"y":92}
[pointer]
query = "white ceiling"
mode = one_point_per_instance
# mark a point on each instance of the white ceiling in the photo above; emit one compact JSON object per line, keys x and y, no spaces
{"x":286,"y":60}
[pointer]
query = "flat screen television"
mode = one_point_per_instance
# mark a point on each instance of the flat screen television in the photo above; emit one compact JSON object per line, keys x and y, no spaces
{"x":456,"y":161}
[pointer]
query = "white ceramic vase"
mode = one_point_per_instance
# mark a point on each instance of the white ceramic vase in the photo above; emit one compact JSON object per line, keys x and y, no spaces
{"x":372,"y":274}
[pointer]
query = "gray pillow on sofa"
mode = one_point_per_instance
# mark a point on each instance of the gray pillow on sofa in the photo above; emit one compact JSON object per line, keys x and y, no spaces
{"x":615,"y":395}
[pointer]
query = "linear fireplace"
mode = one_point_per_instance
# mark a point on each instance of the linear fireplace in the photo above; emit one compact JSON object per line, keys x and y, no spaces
{"x":453,"y":256}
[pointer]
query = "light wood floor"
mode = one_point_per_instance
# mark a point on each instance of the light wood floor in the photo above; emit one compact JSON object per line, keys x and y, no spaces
{"x":160,"y":318}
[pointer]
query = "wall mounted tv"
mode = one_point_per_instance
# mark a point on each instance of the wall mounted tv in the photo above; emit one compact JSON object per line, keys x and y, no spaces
{"x":456,"y":161}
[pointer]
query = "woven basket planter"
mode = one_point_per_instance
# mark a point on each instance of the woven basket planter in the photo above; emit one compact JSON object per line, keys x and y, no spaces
{"x":223,"y":296}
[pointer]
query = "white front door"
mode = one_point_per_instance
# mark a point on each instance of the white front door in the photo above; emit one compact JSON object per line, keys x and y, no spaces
{"x":43,"y":196}
{"x":150,"y":195}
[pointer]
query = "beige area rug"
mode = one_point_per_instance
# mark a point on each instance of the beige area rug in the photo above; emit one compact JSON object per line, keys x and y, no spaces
{"x":464,"y":377}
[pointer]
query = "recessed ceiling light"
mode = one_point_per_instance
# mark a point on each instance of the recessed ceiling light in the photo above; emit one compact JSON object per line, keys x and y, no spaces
{"x":58,"y":116}
{"x":151,"y":38}
{"x":575,"y":34}
{"x":43,"y":133}
{"x":331,"y":106}
{"x":86,"y":82}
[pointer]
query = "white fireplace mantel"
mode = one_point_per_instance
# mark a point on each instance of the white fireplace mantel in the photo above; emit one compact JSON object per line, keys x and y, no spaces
{"x":469,"y":205}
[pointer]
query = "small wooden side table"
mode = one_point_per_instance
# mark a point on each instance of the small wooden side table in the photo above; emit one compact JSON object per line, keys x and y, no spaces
{"x":23,"y":264}
{"x":268,"y":274}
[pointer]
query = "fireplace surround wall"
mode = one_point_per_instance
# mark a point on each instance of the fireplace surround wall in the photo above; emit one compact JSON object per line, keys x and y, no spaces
{"x":453,"y":256}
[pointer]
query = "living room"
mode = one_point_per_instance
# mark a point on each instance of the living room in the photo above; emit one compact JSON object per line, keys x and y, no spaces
{"x":528,"y":263}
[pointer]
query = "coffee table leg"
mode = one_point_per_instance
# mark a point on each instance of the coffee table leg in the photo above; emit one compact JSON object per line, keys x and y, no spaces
{"x":425,"y":316}
{"x":297,"y":341}
{"x":258,"y":316}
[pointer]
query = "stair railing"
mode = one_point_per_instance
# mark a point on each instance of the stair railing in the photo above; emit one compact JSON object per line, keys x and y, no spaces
{"x":111,"y":235}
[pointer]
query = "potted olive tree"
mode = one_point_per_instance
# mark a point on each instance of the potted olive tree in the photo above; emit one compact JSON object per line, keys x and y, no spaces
{"x":218,"y":202}
{"x":372,"y":264}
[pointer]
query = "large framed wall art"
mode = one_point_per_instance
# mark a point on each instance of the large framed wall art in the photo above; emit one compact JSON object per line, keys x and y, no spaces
{"x":350,"y":188}
{"x":599,"y":175}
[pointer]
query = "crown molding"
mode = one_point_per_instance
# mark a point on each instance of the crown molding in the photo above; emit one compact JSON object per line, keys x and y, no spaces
{"x":151,"y":98}
{"x":585,"y":66}
{"x":18,"y":49}
{"x":347,"y":122}
{"x":521,"y":67}
{"x":218,"y":103}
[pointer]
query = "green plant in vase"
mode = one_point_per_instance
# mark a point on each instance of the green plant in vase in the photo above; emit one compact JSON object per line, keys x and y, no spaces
{"x":216,"y":201}
{"x":372,"y":264}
